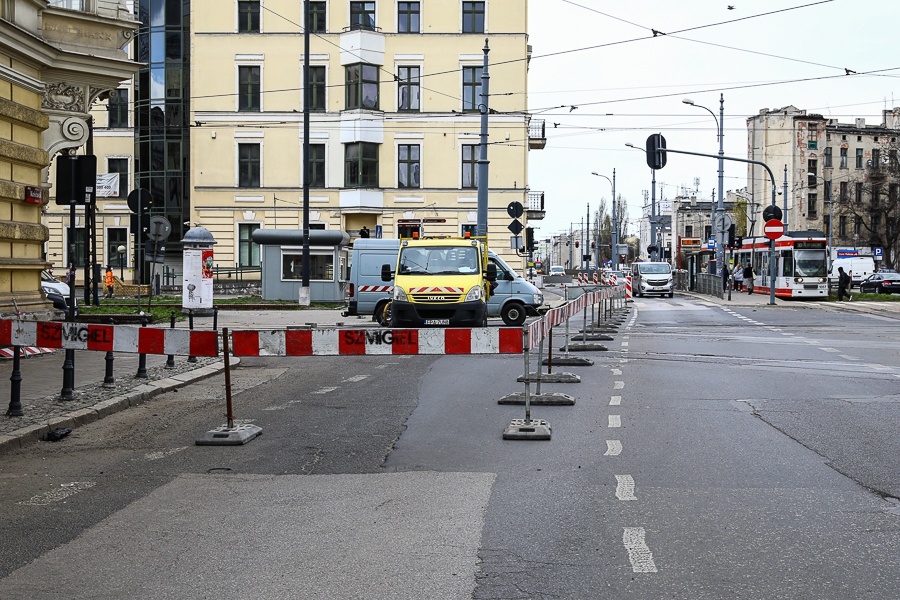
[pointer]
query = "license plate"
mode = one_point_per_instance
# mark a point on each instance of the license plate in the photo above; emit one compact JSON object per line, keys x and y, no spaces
{"x":437,"y":321}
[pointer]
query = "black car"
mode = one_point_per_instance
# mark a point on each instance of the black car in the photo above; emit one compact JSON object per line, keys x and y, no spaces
{"x":881,"y":283}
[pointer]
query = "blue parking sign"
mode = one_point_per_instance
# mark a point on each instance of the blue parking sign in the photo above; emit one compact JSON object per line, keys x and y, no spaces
{"x":879,"y":252}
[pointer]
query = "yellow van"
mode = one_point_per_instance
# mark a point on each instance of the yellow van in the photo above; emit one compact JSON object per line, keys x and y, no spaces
{"x":441,"y":282}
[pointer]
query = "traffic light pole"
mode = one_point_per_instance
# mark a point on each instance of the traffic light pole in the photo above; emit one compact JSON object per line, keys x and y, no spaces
{"x":663,"y":150}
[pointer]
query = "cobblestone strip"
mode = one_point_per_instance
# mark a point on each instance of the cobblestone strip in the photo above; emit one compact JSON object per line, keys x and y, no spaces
{"x":93,"y":401}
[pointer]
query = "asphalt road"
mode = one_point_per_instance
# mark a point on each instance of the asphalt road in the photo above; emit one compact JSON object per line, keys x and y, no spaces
{"x":712,"y":452}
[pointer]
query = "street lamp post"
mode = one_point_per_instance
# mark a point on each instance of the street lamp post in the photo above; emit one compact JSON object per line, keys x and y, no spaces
{"x":720,"y":206}
{"x":615,"y":226}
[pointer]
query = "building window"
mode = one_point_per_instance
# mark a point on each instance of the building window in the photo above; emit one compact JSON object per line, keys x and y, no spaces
{"x":248,"y":250}
{"x":321,"y":266}
{"x":845,"y":191}
{"x":471,"y":88}
{"x":317,"y":165}
{"x":812,"y":206}
{"x":812,"y":136}
{"x":827,"y":164}
{"x":115,"y":237}
{"x":78,"y":258}
{"x":248,"y":16}
{"x":843,"y":158}
{"x":362,"y":86}
{"x":408,"y":88}
{"x":859,"y":158}
{"x":408,"y":161}
{"x":361,"y":165}
{"x":470,"y":154}
{"x":826,"y":221}
{"x":812,"y":167}
{"x":893,"y":194}
{"x":249,"y":165}
{"x":876,"y":195}
{"x":859,"y":192}
{"x":120,"y":166}
{"x":688,"y":231}
{"x":842,"y":226}
{"x":408,"y":17}
{"x":408,"y":230}
{"x":470,"y":228}
{"x":876,"y":158}
{"x":857,"y":225}
{"x":876,"y":224}
{"x":317,"y":17}
{"x":892,"y":159}
{"x":828,"y":197}
{"x":362,"y":15}
{"x":117,"y":110}
{"x":317,"y":88}
{"x":248,"y":89}
{"x":473,"y":17}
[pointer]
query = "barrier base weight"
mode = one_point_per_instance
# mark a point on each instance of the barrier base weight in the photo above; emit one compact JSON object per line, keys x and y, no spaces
{"x":592,"y":338}
{"x":583,"y":348}
{"x":532,"y":429}
{"x":560,"y":377}
{"x":229,"y":436}
{"x":548,"y":399}
{"x":570,"y":361}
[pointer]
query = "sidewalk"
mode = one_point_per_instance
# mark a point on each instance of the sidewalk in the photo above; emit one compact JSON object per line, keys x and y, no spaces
{"x":42,"y":376}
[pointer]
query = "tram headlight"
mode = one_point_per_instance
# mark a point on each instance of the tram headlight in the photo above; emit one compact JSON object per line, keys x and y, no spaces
{"x":798,"y":279}
{"x":822,"y":279}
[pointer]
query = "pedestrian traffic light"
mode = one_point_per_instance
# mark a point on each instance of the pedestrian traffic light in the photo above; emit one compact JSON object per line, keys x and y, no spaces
{"x":593,"y":245}
{"x":731,"y":236}
{"x":738,"y":241}
{"x":577,"y":243}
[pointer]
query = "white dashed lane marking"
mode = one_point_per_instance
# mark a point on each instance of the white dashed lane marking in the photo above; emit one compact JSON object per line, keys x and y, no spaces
{"x":616,"y":371}
{"x":625,"y":487}
{"x":613,"y":448}
{"x":619,"y":385}
{"x":324,"y":390}
{"x":638,"y":553}
{"x":615,"y":421}
{"x":64,"y":491}
{"x":163,"y":453}
{"x":615,"y":400}
{"x":355,"y":378}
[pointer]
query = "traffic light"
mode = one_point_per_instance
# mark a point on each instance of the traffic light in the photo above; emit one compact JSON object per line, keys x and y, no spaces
{"x":656,"y":151}
{"x":738,"y":241}
{"x":593,"y":245}
{"x":529,"y":239}
{"x":577,"y":243}
{"x":731,"y":236}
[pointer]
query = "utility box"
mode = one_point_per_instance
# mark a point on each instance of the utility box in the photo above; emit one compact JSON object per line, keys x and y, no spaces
{"x":197,"y":287}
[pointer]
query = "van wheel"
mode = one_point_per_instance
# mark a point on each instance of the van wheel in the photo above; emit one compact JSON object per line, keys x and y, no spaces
{"x":383,"y":314}
{"x":513,"y":314}
{"x":671,"y":294}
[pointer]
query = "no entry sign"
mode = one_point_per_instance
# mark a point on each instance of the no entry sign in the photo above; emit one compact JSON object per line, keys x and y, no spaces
{"x":774,"y":229}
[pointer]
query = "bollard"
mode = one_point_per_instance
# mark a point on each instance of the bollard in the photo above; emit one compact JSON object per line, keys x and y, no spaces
{"x":15,"y":390}
{"x":170,"y":360}
{"x":109,"y":380}
{"x":142,"y":359}
{"x":215,"y":318}
{"x":191,"y":359}
{"x":68,"y":389}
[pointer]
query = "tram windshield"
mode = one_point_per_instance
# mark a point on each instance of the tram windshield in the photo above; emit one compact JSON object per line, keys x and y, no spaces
{"x":810,"y":263}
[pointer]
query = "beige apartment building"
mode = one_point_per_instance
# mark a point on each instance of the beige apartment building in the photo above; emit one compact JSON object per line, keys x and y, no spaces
{"x":394,"y":133}
{"x":855,"y":164}
{"x":57,"y":59}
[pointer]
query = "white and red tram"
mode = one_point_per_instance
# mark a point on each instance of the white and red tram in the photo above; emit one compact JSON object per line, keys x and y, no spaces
{"x":801,"y":264}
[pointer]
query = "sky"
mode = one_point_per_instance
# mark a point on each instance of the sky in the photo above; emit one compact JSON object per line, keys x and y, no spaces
{"x":601,"y":79}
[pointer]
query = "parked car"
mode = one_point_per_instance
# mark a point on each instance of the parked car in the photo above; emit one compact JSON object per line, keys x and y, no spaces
{"x":881,"y":283}
{"x":885,"y":270}
{"x":57,"y":292}
{"x":557,"y":270}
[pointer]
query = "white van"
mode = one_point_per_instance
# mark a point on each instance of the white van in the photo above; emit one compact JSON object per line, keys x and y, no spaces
{"x":857,"y":267}
{"x":513,"y":299}
{"x":652,"y":278}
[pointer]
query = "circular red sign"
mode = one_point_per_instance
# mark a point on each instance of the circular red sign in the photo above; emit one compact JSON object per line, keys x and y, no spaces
{"x":773,"y":229}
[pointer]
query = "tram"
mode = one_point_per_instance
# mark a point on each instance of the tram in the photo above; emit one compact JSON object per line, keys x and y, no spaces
{"x":801,"y":264}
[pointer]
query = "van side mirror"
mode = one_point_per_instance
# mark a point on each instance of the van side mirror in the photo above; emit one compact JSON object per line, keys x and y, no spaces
{"x":491,"y":272}
{"x":386,"y":274}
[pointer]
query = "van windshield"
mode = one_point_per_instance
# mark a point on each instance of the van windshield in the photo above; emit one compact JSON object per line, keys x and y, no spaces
{"x":439,"y":260}
{"x":655,"y":269}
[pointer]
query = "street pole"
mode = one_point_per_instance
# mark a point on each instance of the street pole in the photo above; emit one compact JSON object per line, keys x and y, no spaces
{"x":481,"y":227}
{"x":654,"y":254}
{"x":305,"y":296}
{"x":615,"y":228}
{"x":830,"y":214}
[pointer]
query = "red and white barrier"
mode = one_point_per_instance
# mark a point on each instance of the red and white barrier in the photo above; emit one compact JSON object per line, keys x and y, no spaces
{"x":337,"y":342}
{"x":627,"y":287}
{"x":375,"y":288}
{"x":539,"y":329}
{"x":25,"y":351}
{"x":115,"y":338}
{"x":596,"y":278}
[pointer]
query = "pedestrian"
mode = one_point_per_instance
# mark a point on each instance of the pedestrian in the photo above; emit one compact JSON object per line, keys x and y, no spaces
{"x":110,"y":281}
{"x":738,"y":277}
{"x":748,"y":277}
{"x":726,"y":272}
{"x":70,"y":276}
{"x":843,"y":285}
{"x":364,"y":232}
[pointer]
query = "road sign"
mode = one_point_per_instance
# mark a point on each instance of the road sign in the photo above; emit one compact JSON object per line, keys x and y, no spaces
{"x":772,"y":212}
{"x":878,"y":253}
{"x":515,"y":210}
{"x":774,"y":229}
{"x":139,"y":200}
{"x":723,"y":222}
{"x":159,"y":229}
{"x":516,"y":227}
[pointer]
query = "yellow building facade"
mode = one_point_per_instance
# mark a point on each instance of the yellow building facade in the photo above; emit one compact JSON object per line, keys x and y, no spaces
{"x":395,"y":122}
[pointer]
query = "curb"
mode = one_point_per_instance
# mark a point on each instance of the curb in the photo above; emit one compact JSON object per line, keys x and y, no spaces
{"x":26,"y":436}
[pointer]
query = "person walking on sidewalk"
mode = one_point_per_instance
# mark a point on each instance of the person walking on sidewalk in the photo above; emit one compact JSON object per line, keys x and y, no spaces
{"x":738,"y":277}
{"x":748,"y":277}
{"x":843,"y":285}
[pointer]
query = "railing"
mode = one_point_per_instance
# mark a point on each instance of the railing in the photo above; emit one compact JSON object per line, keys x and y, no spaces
{"x":537,"y":137}
{"x":535,"y":201}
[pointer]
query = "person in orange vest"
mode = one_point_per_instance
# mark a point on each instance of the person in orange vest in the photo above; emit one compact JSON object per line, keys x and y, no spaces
{"x":109,"y":281}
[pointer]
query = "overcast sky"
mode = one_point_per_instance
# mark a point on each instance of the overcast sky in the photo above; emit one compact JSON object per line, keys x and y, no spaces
{"x":631,"y":84}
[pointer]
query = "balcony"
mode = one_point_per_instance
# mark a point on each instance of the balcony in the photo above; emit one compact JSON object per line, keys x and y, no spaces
{"x":535,"y":206}
{"x":537,"y":136}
